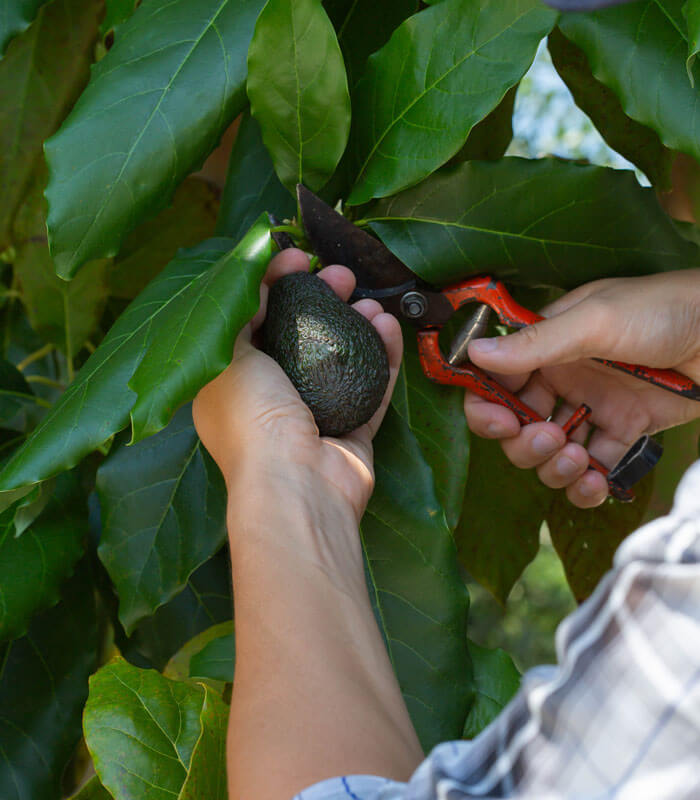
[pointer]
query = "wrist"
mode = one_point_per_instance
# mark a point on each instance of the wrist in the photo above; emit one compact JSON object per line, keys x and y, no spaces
{"x":291,"y":514}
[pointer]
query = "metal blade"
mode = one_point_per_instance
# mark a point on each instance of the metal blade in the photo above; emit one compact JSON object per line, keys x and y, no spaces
{"x":335,"y":240}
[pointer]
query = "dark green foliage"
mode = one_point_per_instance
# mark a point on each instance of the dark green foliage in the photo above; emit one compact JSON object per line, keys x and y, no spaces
{"x":129,"y":99}
{"x":331,"y":353}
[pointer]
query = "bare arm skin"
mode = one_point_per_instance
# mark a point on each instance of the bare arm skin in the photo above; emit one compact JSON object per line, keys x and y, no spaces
{"x":314,"y":693}
{"x":652,"y":320}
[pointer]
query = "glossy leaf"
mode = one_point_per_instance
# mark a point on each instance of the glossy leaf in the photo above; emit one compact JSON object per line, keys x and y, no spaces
{"x":116,"y":12}
{"x":420,"y":599}
{"x":198,"y":331}
{"x":444,"y":70}
{"x":586,"y":539}
{"x":498,"y":534}
{"x":92,"y":790}
{"x":252,"y":186}
{"x":497,"y":680}
{"x":637,"y":143}
{"x":489,"y":139}
{"x":363,"y":26}
{"x":97,"y":404}
{"x":206,"y":777}
{"x":30,"y":506}
{"x":435,"y":415}
{"x":205,"y":601}
{"x":132,"y":137}
{"x":178,"y":667}
{"x":639,"y":51}
{"x":43,"y":687}
{"x":216,"y":660}
{"x":40,"y":76}
{"x":35,"y":565}
{"x":584,"y":5}
{"x":16,"y":17}
{"x":148,"y":249}
{"x":299,"y":95}
{"x":543,"y":222}
{"x":691,"y":12}
{"x":146,"y":733}
{"x":17,"y":401}
{"x":163,"y":505}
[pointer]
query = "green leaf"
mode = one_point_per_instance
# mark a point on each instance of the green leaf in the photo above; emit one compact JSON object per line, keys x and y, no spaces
{"x":163,"y":506}
{"x":206,"y":777}
{"x":43,"y":686}
{"x":691,"y":12}
{"x":116,"y":12}
{"x":435,"y":415}
{"x":586,"y":539}
{"x":217,"y":659}
{"x":132,"y":137}
{"x":252,"y":186}
{"x":198,"y":331}
{"x":97,"y":404}
{"x":543,"y":222}
{"x":363,"y":26}
{"x":31,"y":505}
{"x":639,"y":51}
{"x":149,"y":248}
{"x":34,"y":566}
{"x":637,"y":143}
{"x":150,"y":737}
{"x":64,"y":313}
{"x":443,"y":70}
{"x":497,"y":680}
{"x":498,"y":534}
{"x":489,"y":139}
{"x":92,"y":790}
{"x":178,"y":668}
{"x":16,"y":17}
{"x":18,"y":404}
{"x":300,"y":95}
{"x":415,"y":586}
{"x":40,"y":77}
{"x":61,"y":312}
{"x":205,"y":601}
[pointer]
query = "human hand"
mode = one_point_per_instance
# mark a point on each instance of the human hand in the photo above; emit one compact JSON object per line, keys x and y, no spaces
{"x":253,"y":422}
{"x":652,"y":320}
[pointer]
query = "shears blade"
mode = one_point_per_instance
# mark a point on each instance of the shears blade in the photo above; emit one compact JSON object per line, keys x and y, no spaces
{"x":335,"y":240}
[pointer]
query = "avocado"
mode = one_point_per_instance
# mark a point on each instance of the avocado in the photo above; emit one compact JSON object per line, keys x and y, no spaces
{"x":331,"y":353}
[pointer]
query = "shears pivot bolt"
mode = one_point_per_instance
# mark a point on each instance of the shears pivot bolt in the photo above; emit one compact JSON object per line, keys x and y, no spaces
{"x":413,"y":305}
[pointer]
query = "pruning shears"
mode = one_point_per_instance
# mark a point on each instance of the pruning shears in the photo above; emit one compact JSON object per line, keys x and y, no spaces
{"x":380,"y":275}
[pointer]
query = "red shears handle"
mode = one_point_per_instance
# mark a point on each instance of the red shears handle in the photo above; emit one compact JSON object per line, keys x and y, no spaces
{"x":493,"y":293}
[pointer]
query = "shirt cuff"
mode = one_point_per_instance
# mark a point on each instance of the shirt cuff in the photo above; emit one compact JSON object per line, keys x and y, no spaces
{"x":353,"y":787}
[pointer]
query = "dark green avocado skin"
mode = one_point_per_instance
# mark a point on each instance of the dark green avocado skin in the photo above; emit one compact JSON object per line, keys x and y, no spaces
{"x":332,"y":354}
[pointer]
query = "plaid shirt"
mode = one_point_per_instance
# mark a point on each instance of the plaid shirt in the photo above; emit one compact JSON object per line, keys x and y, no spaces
{"x":618,"y":718}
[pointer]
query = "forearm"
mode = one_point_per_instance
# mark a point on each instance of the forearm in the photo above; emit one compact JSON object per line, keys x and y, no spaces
{"x":314,"y":692}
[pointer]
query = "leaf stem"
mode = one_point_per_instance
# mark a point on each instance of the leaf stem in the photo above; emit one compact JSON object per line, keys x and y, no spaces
{"x":292,"y":230}
{"x":45,"y":381}
{"x":35,"y":356}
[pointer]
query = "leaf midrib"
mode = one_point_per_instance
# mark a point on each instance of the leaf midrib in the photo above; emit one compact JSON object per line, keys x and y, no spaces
{"x":164,"y":92}
{"x":511,"y":235}
{"x":428,"y":89}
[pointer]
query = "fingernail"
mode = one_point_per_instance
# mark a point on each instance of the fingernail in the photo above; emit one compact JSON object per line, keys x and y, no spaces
{"x":496,"y":430}
{"x":566,"y":467}
{"x":587,"y":490}
{"x":485,"y":345}
{"x":544,"y":444}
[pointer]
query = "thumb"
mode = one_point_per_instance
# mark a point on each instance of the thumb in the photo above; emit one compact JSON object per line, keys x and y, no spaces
{"x":566,"y":337}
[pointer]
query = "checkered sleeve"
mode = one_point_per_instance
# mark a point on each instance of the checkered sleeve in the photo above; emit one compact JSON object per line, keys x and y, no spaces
{"x":619,"y":717}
